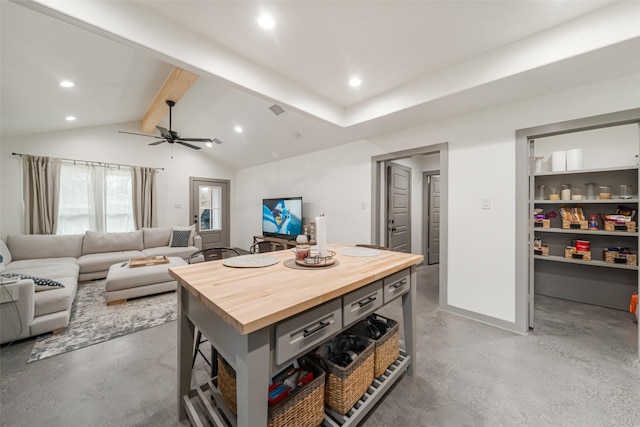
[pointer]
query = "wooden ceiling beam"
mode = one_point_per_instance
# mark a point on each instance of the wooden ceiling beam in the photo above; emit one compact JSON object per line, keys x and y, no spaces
{"x":174,"y":87}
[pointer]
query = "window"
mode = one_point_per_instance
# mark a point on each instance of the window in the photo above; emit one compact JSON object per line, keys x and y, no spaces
{"x":94,"y":197}
{"x":210,"y":208}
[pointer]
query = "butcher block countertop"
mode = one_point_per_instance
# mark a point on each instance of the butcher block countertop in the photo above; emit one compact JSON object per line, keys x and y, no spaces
{"x":250,"y":299}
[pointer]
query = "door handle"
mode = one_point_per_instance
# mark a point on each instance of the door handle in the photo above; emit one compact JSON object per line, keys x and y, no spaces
{"x":392,"y":229}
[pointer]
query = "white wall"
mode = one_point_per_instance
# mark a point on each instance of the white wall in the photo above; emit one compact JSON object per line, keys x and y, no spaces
{"x":104,"y":144}
{"x":603,"y":148}
{"x":336,"y":182}
{"x":481,"y":271}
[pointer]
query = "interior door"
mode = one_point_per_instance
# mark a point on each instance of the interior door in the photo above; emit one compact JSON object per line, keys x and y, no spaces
{"x":210,"y":211}
{"x":398,"y":208}
{"x":433,"y":255}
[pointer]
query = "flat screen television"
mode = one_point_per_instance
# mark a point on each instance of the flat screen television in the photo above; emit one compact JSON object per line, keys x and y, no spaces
{"x":282,"y":217}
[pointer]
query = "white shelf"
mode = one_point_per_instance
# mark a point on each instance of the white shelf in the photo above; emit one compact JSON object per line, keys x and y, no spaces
{"x":594,"y":263}
{"x":577,"y":231}
{"x":584,"y":201}
{"x":581,"y":171}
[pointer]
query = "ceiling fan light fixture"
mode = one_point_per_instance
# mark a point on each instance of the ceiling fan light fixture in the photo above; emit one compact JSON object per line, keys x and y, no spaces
{"x":209,"y":144}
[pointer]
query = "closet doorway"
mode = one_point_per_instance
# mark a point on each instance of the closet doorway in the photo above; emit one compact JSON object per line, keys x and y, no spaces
{"x":432,"y":160}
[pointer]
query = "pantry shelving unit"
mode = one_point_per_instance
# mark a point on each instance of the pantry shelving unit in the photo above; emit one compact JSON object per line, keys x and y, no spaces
{"x":593,"y":282}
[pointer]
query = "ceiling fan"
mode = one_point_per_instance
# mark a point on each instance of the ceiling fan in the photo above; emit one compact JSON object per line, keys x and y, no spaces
{"x":171,"y":136}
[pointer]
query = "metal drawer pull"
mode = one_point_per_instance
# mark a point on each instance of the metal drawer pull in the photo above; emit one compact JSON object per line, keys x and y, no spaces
{"x":320,"y":326}
{"x":367,"y":301}
{"x":399,"y":284}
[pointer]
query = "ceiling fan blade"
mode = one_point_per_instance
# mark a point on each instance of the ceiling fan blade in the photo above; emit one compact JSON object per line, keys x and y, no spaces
{"x":195,"y":139}
{"x":189,"y":145}
{"x":157,"y":142}
{"x":140,"y":134}
{"x":165,"y":133}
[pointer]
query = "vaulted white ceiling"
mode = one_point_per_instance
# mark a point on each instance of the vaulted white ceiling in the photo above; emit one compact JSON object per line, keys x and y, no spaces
{"x":419,"y":61}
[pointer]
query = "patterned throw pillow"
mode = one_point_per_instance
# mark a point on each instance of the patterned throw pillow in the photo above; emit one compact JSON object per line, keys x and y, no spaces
{"x":42,"y":284}
{"x":180,"y":238}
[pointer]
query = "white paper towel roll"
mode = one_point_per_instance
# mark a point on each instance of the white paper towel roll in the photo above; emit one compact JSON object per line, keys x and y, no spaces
{"x":558,"y":161}
{"x":321,"y":235}
{"x":574,"y":159}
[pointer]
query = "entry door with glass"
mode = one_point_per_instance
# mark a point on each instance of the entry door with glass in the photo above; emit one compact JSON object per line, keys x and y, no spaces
{"x":210,"y":211}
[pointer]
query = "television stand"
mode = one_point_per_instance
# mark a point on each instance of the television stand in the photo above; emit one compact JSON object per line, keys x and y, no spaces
{"x":288,"y":243}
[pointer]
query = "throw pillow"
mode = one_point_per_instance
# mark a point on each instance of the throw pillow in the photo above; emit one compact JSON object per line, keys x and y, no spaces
{"x":180,"y":238}
{"x":191,"y":229}
{"x":42,"y":283}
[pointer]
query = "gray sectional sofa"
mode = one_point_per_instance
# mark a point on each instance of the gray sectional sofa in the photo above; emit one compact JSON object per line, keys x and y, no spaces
{"x":28,"y":309}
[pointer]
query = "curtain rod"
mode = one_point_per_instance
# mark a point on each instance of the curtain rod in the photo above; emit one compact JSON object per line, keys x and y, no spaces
{"x":74,"y":161}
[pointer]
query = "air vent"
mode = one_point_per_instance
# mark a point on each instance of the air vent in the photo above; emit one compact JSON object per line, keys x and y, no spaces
{"x":276,"y":109}
{"x":217,"y":141}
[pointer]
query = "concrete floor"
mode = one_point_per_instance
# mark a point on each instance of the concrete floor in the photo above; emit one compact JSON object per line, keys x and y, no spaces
{"x":578,"y":367}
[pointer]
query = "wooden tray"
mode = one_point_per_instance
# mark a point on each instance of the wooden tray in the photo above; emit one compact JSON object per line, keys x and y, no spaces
{"x":146,"y":262}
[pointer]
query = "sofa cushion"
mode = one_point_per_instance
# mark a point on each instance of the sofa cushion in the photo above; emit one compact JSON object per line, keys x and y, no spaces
{"x":52,"y":271}
{"x":180,"y":238}
{"x":101,"y":262}
{"x":28,"y":264}
{"x":156,"y":236}
{"x":59,"y":299}
{"x":169,"y":251}
{"x":41,"y":283}
{"x":36,"y":246}
{"x":4,"y":253}
{"x":191,"y":228}
{"x":95,"y":243}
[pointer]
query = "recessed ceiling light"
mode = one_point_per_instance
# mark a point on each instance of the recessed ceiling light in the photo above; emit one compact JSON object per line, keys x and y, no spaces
{"x":238,"y":129}
{"x":266,"y":22}
{"x":67,"y":83}
{"x":209,"y":144}
{"x":355,"y":82}
{"x":70,"y":118}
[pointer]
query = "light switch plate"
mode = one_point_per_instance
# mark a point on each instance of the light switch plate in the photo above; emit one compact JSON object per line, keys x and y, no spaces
{"x":485,"y":203}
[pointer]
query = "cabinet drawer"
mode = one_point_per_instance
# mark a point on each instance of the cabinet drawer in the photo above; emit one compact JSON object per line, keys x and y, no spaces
{"x":298,"y":334}
{"x":361,"y":302}
{"x":397,"y":284}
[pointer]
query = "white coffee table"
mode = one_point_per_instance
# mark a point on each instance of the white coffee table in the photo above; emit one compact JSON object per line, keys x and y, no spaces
{"x":124,"y":283}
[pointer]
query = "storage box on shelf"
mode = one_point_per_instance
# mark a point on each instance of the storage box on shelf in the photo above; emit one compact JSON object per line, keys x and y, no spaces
{"x":615,"y":257}
{"x":387,"y":344}
{"x":304,"y":407}
{"x":575,"y":225}
{"x":346,"y":385}
{"x":613,"y":226}
{"x":542,"y":223}
{"x":570,"y":252}
{"x":541,"y":250}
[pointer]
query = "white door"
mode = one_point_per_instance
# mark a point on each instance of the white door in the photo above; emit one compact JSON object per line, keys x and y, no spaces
{"x":210,"y":211}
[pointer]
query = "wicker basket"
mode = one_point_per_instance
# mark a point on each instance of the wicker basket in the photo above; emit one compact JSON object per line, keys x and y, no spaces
{"x":387,"y":347}
{"x":304,"y":408}
{"x":345,"y":386}
{"x":542,"y":223}
{"x":627,"y":226}
{"x":576,"y":225}
{"x":614,"y":257}
{"x":542,"y":250}
{"x":571,"y":253}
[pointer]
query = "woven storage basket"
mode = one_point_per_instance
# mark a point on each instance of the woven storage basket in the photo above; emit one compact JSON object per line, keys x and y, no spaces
{"x":542,"y":250}
{"x":304,"y":408}
{"x":577,"y":225}
{"x":628,"y":226}
{"x":613,"y":257}
{"x":387,"y":347}
{"x":542,"y":223}
{"x":345,"y":386}
{"x":571,"y":253}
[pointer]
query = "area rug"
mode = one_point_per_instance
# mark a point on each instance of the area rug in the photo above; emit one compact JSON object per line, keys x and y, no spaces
{"x":92,"y":321}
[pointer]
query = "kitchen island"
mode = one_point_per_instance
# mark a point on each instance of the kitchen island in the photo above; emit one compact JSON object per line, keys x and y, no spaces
{"x":260,"y":319}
